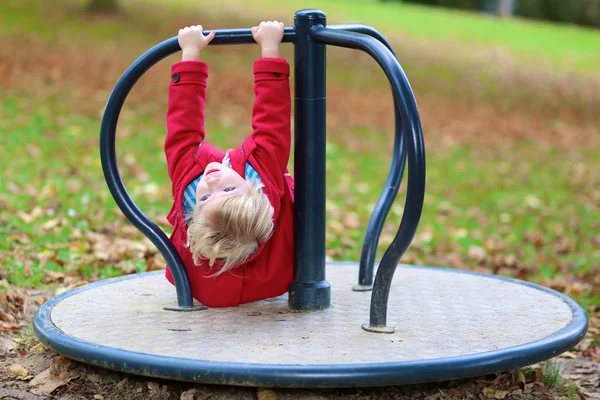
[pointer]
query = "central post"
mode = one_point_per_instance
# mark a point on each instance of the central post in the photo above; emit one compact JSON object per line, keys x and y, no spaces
{"x":309,"y":290}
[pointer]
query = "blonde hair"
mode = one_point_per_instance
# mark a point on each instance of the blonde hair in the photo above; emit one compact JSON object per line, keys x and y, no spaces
{"x":232,"y":229}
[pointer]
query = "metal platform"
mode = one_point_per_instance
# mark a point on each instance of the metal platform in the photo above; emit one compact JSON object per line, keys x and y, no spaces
{"x":449,"y":324}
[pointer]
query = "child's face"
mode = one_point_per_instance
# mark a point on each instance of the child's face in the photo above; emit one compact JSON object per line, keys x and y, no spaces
{"x":217,"y":183}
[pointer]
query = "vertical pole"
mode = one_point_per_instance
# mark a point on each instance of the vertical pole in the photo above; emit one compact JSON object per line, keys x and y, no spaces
{"x":309,"y":290}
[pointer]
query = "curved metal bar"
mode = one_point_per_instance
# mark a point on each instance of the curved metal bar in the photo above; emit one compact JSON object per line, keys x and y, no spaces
{"x":413,"y":135}
{"x":109,"y":158}
{"x":392,"y":184}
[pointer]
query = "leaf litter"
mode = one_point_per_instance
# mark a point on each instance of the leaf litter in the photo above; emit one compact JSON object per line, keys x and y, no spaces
{"x":461,"y":120}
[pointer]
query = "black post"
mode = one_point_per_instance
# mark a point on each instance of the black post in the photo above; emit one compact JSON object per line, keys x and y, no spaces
{"x":309,"y":290}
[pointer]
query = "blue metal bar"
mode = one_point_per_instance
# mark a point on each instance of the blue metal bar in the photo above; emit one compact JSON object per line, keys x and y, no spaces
{"x":392,"y":184}
{"x":413,"y":135}
{"x":109,"y":158}
{"x":309,"y":290}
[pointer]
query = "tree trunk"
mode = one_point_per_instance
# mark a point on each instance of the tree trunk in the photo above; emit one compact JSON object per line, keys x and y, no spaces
{"x":505,"y":8}
{"x":104,"y":5}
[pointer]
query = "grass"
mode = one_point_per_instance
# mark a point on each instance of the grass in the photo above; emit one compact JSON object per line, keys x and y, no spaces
{"x":561,"y":45}
{"x":552,"y":376}
{"x":469,"y":203}
{"x":526,"y":211}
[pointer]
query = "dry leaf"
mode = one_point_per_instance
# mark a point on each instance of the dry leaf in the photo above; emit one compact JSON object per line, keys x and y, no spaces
{"x":53,"y":276}
{"x":46,"y":383}
{"x":189,"y":395}
{"x":352,"y":220}
{"x":495,"y":394}
{"x":7,"y":317}
{"x":476,"y":253}
{"x":266,"y":394}
{"x":6,"y":327}
{"x":25,"y":217}
{"x":33,"y":150}
{"x":50,"y":224}
{"x":520,"y":378}
{"x":38,"y":347}
{"x":568,"y":354}
{"x":253,"y":313}
{"x":195,"y":394}
{"x":18,"y":371}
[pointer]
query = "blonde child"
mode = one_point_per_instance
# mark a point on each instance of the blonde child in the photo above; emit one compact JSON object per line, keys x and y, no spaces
{"x":232,"y":215}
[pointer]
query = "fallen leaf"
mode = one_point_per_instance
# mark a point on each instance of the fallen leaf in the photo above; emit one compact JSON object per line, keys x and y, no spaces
{"x":63,"y":368}
{"x":352,"y":220}
{"x":584,"y":345}
{"x":6,"y":327}
{"x":13,"y":188}
{"x":46,"y":383}
{"x":253,"y":313}
{"x":38,"y":347}
{"x":7,"y":317}
{"x":476,"y":253}
{"x":568,"y":354}
{"x":27,"y":218}
{"x":33,"y":150}
{"x":266,"y":394}
{"x":50,"y":224}
{"x":18,"y":371}
{"x":53,"y":276}
{"x":195,"y":394}
{"x":520,"y":378}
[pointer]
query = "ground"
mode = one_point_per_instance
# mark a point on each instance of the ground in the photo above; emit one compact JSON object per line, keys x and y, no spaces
{"x":69,"y":380}
{"x":509,"y":112}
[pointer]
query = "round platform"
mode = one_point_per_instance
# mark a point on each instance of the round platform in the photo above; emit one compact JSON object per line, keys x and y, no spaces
{"x":449,"y":324}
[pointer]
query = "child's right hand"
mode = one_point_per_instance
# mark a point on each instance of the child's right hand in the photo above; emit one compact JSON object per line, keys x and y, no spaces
{"x":192,"y":41}
{"x":269,"y":35}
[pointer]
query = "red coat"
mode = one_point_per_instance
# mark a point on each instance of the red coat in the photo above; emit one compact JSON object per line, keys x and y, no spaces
{"x":269,"y":271}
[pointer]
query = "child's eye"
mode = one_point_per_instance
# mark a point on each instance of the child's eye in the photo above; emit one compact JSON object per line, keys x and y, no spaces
{"x":204,"y":198}
{"x":229,"y":189}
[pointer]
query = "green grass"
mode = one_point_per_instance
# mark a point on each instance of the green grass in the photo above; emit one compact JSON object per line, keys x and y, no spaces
{"x":477,"y":198}
{"x":470,"y":200}
{"x":561,"y":45}
{"x":565,"y":46}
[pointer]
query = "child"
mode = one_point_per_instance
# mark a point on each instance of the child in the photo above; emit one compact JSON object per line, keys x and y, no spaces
{"x":233,"y":212}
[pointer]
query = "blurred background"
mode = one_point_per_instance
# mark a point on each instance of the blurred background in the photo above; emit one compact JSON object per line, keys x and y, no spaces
{"x":509,"y":97}
{"x":508,"y":92}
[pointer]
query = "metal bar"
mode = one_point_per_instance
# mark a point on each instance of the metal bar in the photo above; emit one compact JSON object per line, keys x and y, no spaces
{"x":392,"y":184}
{"x":309,"y":290}
{"x":109,"y":158}
{"x":415,"y":146}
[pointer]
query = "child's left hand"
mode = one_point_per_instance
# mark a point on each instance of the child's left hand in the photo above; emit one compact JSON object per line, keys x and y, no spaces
{"x":192,"y":41}
{"x":269,"y":35}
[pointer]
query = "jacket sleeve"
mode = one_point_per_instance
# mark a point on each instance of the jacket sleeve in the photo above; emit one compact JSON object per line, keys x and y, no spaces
{"x":272,"y":109}
{"x":185,"y":115}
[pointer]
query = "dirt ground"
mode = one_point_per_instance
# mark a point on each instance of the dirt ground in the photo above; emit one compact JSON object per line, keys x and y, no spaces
{"x":30,"y":371}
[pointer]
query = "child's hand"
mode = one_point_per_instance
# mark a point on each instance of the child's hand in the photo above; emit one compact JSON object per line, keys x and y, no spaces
{"x":192,"y":41}
{"x":268,"y":34}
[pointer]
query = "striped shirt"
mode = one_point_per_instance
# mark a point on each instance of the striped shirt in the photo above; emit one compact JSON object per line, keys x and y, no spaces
{"x":189,"y":195}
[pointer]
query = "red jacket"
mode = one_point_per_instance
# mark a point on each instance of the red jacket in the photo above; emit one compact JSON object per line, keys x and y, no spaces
{"x":269,"y":271}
